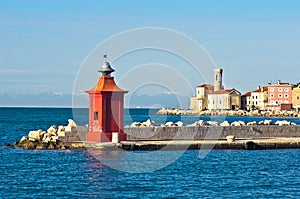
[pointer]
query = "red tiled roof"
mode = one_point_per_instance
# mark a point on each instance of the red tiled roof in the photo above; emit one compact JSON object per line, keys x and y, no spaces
{"x":106,"y":84}
{"x":247,"y":94}
{"x":206,"y":86}
{"x":265,"y":88}
{"x":222,"y":91}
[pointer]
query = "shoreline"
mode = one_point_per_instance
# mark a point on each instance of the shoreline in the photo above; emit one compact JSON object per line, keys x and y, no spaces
{"x":256,"y":113}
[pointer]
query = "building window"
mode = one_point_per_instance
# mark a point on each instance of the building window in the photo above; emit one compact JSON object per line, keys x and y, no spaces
{"x":272,"y":89}
{"x":280,"y":101}
{"x":256,"y":97}
{"x":272,"y":101}
{"x":298,"y":97}
{"x":280,"y":95}
{"x":286,"y":95}
{"x":96,"y":115}
{"x":272,"y":95}
{"x":286,"y":90}
{"x":279,"y":89}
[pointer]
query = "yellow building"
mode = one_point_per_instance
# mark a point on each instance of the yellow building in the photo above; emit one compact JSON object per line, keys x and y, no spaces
{"x":296,"y":97}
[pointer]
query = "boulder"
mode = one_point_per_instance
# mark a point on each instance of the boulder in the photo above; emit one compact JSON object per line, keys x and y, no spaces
{"x":236,"y":123}
{"x":148,"y":123}
{"x":41,"y":146}
{"x":52,"y":130}
{"x":179,"y":123}
{"x":169,"y":124}
{"x":23,"y":139}
{"x":54,"y":139}
{"x":61,"y":131}
{"x":282,"y":123}
{"x":251,"y":123}
{"x":242,"y":123}
{"x":71,"y":123}
{"x":213,"y":123}
{"x":268,"y":122}
{"x":225,"y":123}
{"x":51,"y":146}
{"x":35,"y":135}
{"x":202,"y":123}
{"x":46,"y":139}
{"x":194,"y":124}
{"x":136,"y":124}
{"x":28,"y":145}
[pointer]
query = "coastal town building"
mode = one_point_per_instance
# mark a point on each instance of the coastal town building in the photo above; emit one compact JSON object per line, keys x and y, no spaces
{"x":199,"y":101}
{"x":215,"y":97}
{"x":246,"y":101}
{"x":273,"y":97}
{"x":279,"y":96}
{"x":296,"y":97}
{"x":255,"y":100}
{"x":229,"y":99}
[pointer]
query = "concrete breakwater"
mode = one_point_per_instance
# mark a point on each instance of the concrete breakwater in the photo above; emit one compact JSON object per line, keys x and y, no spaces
{"x":197,"y":137}
{"x":159,"y":133}
{"x":210,"y":132}
{"x":186,"y":137}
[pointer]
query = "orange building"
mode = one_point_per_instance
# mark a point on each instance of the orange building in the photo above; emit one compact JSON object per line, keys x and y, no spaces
{"x":279,"y":96}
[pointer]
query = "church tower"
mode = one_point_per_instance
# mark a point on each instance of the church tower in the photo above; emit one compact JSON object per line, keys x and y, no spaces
{"x":218,"y":72}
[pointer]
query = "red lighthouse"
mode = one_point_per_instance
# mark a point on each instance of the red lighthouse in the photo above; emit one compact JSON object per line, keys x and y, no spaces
{"x":106,"y":111}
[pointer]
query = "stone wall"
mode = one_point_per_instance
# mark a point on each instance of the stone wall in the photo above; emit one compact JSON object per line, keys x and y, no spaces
{"x":210,"y":132}
{"x":77,"y":134}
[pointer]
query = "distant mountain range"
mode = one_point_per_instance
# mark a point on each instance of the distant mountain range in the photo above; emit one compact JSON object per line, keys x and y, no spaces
{"x":55,"y":99}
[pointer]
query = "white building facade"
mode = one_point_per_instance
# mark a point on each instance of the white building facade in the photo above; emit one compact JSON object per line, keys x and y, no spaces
{"x":224,"y":100}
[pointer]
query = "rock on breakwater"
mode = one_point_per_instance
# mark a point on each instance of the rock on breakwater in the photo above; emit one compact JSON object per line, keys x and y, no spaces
{"x":42,"y":140}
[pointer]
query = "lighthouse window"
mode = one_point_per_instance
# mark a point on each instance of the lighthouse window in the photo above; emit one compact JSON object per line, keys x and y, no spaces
{"x":96,"y":115}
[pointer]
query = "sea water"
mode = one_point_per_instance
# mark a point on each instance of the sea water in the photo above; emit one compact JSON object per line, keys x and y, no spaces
{"x":78,"y":174}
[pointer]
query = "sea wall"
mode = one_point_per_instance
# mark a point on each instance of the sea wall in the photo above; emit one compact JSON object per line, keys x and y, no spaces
{"x":193,"y":132}
{"x":210,"y":132}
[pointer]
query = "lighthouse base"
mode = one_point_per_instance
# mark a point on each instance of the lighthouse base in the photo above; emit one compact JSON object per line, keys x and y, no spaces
{"x":102,"y":137}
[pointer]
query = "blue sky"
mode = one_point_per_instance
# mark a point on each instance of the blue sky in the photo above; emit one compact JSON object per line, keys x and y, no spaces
{"x":43,"y":43}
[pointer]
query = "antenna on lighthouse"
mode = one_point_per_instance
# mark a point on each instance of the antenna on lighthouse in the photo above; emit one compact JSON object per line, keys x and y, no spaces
{"x":105,"y":57}
{"x":106,"y":69}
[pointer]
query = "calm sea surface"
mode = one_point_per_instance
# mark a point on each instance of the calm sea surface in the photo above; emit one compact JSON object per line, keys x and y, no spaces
{"x":77,"y":174}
